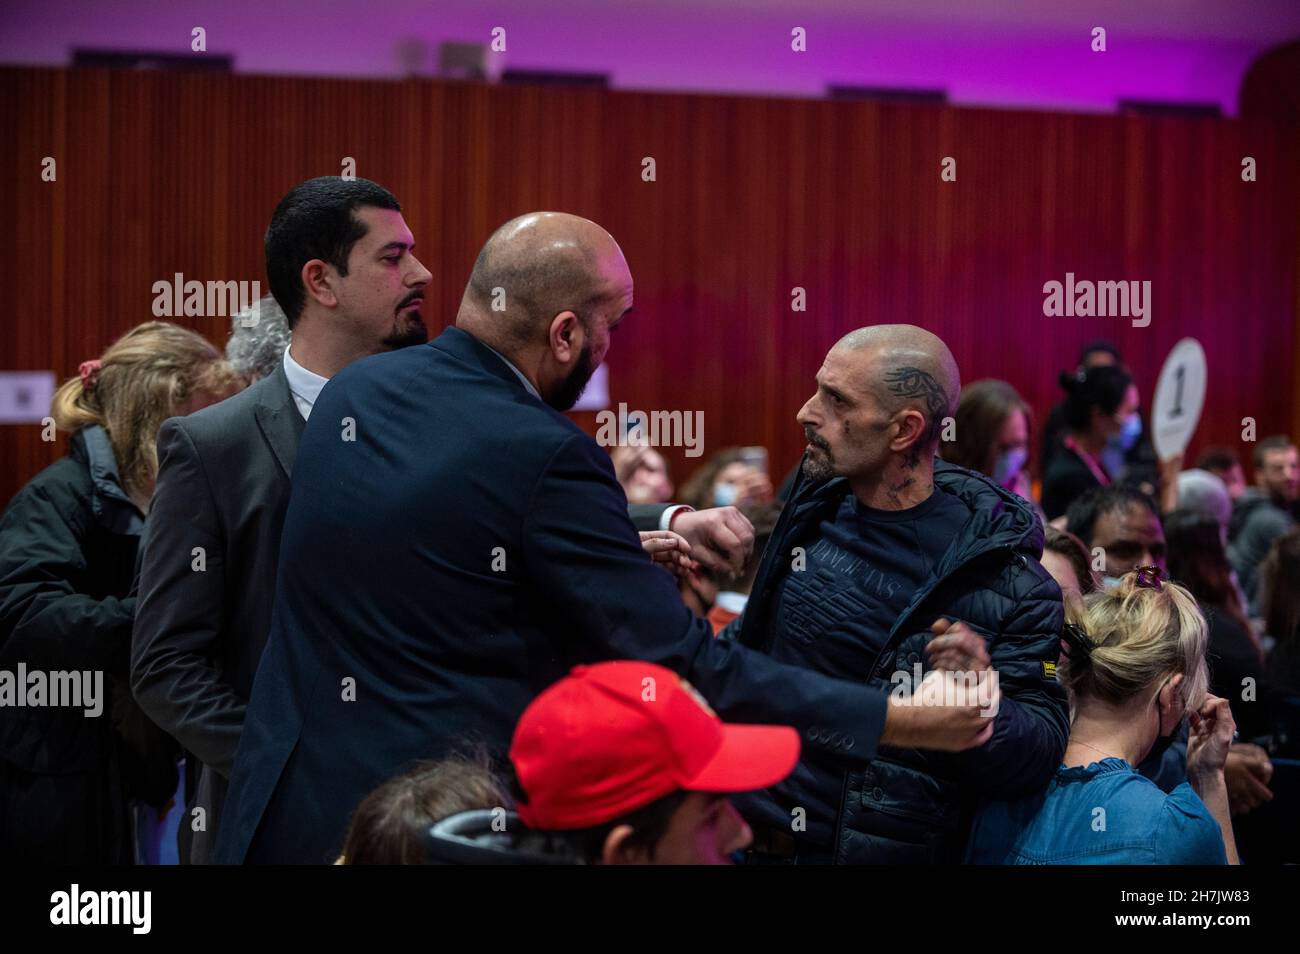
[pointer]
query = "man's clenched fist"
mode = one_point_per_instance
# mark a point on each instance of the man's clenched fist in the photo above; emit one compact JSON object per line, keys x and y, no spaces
{"x":721,"y":538}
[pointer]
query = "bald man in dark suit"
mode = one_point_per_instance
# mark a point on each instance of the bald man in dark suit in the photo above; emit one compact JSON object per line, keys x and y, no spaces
{"x":454,"y":544}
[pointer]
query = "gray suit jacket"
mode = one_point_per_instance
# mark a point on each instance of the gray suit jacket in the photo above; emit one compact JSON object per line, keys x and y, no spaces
{"x":207,"y":580}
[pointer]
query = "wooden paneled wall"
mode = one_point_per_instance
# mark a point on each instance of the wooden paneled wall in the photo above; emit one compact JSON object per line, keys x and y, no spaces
{"x":162,"y":173}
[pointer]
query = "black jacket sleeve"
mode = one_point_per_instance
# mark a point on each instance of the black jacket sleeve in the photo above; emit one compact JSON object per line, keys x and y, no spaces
{"x":49,"y":621}
{"x":180,"y":613}
{"x":47,"y":618}
{"x":646,"y":516}
{"x":581,"y":548}
{"x":1032,"y":723}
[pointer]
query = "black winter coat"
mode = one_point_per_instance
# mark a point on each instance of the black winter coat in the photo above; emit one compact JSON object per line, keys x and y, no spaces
{"x":911,"y":805}
{"x":68,"y":544}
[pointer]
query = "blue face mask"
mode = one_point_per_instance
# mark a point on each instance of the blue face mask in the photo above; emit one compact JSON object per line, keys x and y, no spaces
{"x":1008,"y":466}
{"x":1129,"y":432}
{"x":724,"y":495}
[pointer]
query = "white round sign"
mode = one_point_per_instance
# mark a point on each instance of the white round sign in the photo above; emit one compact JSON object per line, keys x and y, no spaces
{"x":1180,"y":395}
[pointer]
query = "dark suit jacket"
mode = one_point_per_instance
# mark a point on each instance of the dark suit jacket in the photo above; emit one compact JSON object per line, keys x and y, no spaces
{"x":452,"y":547}
{"x":223,"y":485}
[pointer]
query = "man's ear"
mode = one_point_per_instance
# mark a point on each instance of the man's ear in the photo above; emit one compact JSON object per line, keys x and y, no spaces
{"x":616,"y":851}
{"x":566,"y":336}
{"x":318,"y":279}
{"x":911,"y":425}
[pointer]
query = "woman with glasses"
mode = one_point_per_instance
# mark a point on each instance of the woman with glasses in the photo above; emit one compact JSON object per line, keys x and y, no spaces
{"x":1134,"y":671}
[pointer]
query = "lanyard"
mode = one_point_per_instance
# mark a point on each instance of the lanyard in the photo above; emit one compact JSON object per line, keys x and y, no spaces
{"x":1093,"y":465}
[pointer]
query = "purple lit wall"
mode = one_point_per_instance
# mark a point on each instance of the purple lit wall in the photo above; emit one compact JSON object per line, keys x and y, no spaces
{"x":1011,"y":53}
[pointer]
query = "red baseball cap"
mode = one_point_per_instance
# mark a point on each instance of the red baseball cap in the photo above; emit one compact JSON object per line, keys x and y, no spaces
{"x":610,"y":738}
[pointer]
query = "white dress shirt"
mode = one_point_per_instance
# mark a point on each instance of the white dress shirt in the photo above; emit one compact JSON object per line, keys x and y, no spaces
{"x":304,"y":385}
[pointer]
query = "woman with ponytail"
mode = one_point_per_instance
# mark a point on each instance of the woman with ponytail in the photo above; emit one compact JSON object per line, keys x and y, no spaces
{"x":75,"y":753}
{"x":1100,"y":415}
{"x":1133,"y":671}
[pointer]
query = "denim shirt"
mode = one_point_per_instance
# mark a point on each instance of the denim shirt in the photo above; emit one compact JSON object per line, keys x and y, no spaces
{"x":1104,"y":813}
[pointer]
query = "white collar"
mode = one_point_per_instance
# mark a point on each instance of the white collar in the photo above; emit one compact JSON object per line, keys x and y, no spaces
{"x":304,"y":385}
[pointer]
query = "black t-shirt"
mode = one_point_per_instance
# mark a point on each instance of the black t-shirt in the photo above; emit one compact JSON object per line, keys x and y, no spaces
{"x":863,"y":567}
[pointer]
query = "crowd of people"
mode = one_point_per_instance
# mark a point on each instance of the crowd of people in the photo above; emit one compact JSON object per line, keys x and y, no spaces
{"x":360,"y":597}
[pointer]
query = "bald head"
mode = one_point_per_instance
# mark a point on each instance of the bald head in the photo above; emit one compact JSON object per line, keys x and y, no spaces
{"x":908,"y":367}
{"x":535,"y":267}
{"x":546,"y":291}
{"x":876,"y":416}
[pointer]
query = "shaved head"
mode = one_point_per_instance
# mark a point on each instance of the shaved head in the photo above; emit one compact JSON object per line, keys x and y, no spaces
{"x":546,"y":291}
{"x":535,"y":267}
{"x":882,"y":395}
{"x":909,"y":367}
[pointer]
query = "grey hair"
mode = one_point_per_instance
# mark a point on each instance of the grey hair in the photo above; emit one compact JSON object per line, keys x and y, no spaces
{"x":1206,"y":494}
{"x":259,"y":336}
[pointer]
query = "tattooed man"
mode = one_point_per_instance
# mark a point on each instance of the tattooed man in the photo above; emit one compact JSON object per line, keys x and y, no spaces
{"x":887,"y":564}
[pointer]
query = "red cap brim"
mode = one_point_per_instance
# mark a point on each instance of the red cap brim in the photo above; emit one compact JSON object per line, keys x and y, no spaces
{"x":750,"y":757}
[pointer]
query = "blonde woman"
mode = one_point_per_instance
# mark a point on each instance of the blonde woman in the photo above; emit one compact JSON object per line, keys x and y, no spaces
{"x":71,"y":763}
{"x":1134,"y":671}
